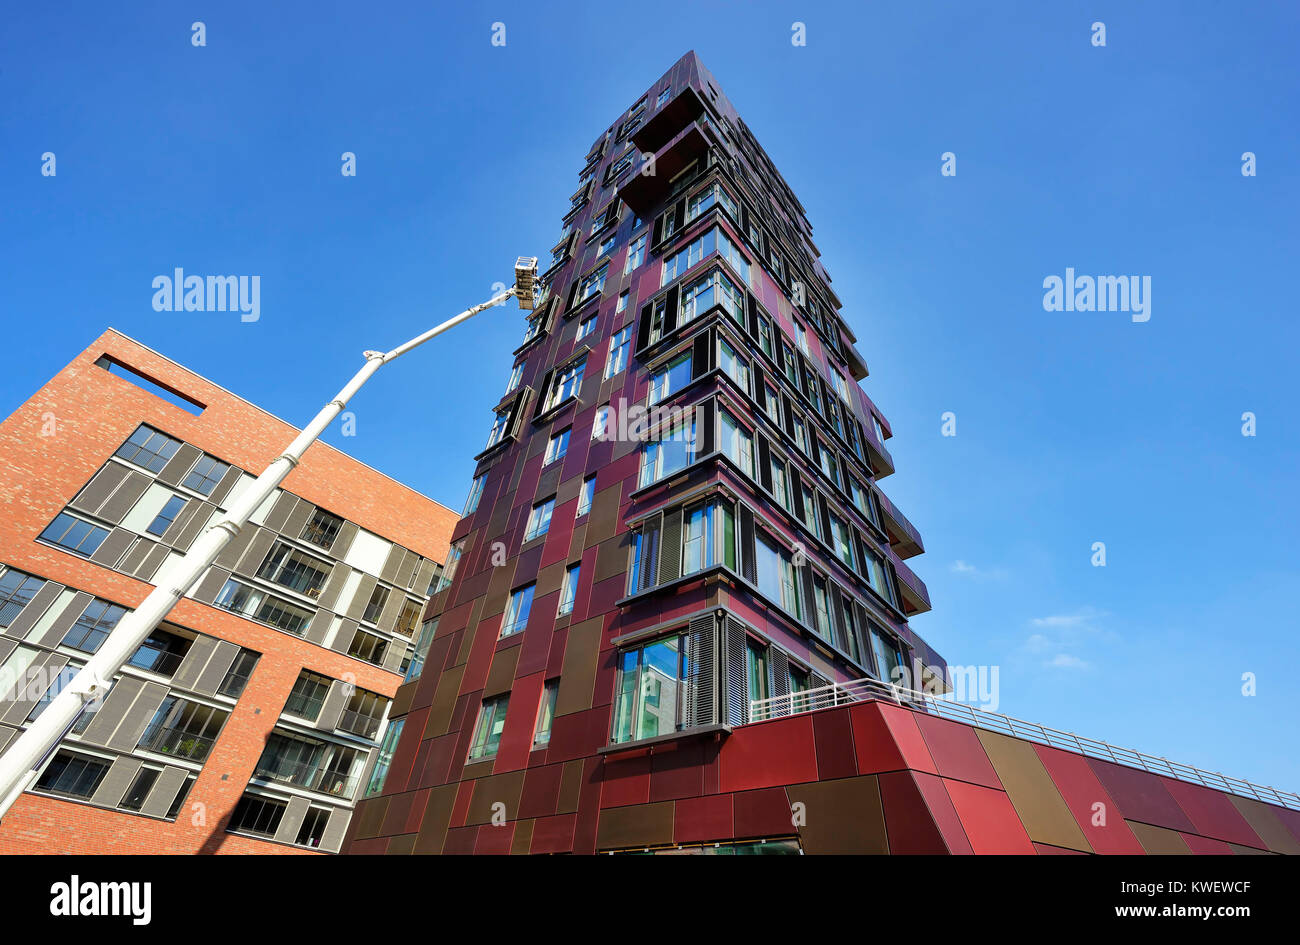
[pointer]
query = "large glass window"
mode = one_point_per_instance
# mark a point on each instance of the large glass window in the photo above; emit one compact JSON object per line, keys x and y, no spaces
{"x":645,"y":554}
{"x":183,"y":729}
{"x":569,"y":590}
{"x":166,"y":515}
{"x":378,"y":601}
{"x":585,"y":495}
{"x":546,"y":713}
{"x":74,"y":535}
{"x":702,"y":200}
{"x":673,"y":451}
{"x":557,"y":447}
{"x":851,"y":630}
{"x":635,"y":254}
{"x":708,"y":537}
{"x":704,"y":293}
{"x":775,"y":575}
{"x":593,"y":284}
{"x":384,"y":760}
{"x":517,"y":611}
{"x":237,"y":676}
{"x":780,"y":484}
{"x":475,"y":493}
{"x":148,"y":448}
{"x":648,"y":696}
{"x":618,"y":346}
{"x":422,"y":644}
{"x":205,"y":475}
{"x":256,"y":604}
{"x":73,"y":775}
{"x":878,"y":577}
{"x":500,"y":423}
{"x":449,"y":570}
{"x":257,"y":815}
{"x":491,"y":722}
{"x":312,"y":764}
{"x":889,"y":659}
{"x":735,"y":441}
{"x":308,"y":695}
{"x":670,"y":378}
{"x":756,"y":669}
{"x":95,"y":623}
{"x":369,"y":647}
{"x":539,"y":519}
{"x":16,"y":591}
{"x":321,"y":529}
{"x":823,"y":609}
{"x":294,"y":569}
{"x":841,"y":539}
{"x":566,"y":384}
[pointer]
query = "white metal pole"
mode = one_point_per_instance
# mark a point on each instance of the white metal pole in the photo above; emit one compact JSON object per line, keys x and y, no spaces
{"x":23,"y":759}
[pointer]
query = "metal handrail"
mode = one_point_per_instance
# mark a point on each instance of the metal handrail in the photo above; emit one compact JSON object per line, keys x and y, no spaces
{"x":836,"y":694}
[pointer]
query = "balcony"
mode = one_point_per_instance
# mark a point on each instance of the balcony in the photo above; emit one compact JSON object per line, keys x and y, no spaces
{"x":863,"y":690}
{"x":665,"y":124}
{"x":358,"y":723}
{"x":312,"y":778}
{"x":178,"y":743}
{"x":903,"y":536}
{"x":643,"y":192}
{"x":913,"y":596}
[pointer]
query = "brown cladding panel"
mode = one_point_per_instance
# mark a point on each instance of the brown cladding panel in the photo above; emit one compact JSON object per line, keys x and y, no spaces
{"x":1158,"y":840}
{"x":1033,"y":794}
{"x":638,"y":825}
{"x":843,"y":816}
{"x":578,"y":676}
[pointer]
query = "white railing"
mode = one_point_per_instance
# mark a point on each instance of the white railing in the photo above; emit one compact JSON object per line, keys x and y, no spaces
{"x":836,"y":694}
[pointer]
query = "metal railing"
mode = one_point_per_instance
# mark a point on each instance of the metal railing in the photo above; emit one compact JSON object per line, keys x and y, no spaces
{"x":837,"y":694}
{"x":306,"y":775}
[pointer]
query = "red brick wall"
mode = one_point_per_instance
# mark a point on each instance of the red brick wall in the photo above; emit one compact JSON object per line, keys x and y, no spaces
{"x":94,"y":412}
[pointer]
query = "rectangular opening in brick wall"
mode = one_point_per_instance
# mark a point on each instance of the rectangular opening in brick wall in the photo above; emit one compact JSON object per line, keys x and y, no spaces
{"x":147,"y":383}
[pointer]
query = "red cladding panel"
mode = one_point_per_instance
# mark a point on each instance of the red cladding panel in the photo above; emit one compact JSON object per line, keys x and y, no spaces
{"x":833,"y":736}
{"x":553,"y":834}
{"x":625,"y":781}
{"x":944,"y":814}
{"x":989,"y":819}
{"x":1141,"y":795}
{"x":886,"y":738}
{"x":769,"y":753}
{"x":495,"y":840}
{"x":677,"y":773}
{"x":541,"y":791}
{"x":1213,"y":814}
{"x":1204,"y":846}
{"x":1074,"y":778}
{"x":1046,"y":849}
{"x":763,"y":814}
{"x":700,"y":819}
{"x":908,"y":823}
{"x":957,"y":751}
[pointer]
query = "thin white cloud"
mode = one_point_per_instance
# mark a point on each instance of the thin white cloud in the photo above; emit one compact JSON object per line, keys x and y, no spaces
{"x":973,"y":571}
{"x":1066,"y":661}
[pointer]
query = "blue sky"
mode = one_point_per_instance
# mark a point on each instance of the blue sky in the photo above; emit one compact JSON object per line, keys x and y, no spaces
{"x":1072,"y":427}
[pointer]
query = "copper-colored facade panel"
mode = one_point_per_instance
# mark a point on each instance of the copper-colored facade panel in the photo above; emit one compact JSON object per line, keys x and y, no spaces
{"x":635,"y":826}
{"x":1270,"y":829}
{"x":1159,"y":840}
{"x":842,"y":816}
{"x":1033,"y":794}
{"x":578,"y":677}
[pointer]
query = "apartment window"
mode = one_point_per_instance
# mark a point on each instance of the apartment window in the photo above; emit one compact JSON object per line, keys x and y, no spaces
{"x":810,"y":517}
{"x":16,"y":591}
{"x":635,"y":254}
{"x":139,"y":788}
{"x":690,"y":255}
{"x":791,"y":365}
{"x":557,"y":446}
{"x":422,"y":644}
{"x":500,"y":423}
{"x":533,"y":329}
{"x":713,"y":289}
{"x":704,"y":199}
{"x":822,"y":606}
{"x":593,"y":284}
{"x":566,"y":384}
{"x":161,"y":652}
{"x":670,"y":378}
{"x":257,"y":815}
{"x":487,"y":732}
{"x":516,"y":615}
{"x":363,"y":714}
{"x":600,"y":424}
{"x":407,"y":618}
{"x":878,"y":578}
{"x":384,"y":760}
{"x":663,"y":97}
{"x":449,"y":569}
{"x":308,"y":695}
{"x":775,"y":575}
{"x":375,"y":606}
{"x":606,"y":245}
{"x":539,"y":519}
{"x":618,"y":346}
{"x":780,"y":483}
{"x":621,"y":305}
{"x":205,"y":475}
{"x":73,"y":775}
{"x":309,"y":763}
{"x":801,"y":337}
{"x":74,"y":535}
{"x":765,"y":335}
{"x":736,"y":367}
{"x":851,"y":630}
{"x":183,"y":729}
{"x":586,"y":327}
{"x":237,"y":676}
{"x":735,"y":441}
{"x":475,"y":493}
{"x":294,"y":569}
{"x":313,"y":826}
{"x":148,"y":448}
{"x":546,"y":713}
{"x":95,"y":623}
{"x":756,"y":669}
{"x":841,"y":540}
{"x":645,"y":552}
{"x":256,"y":604}
{"x":673,"y":451}
{"x":800,"y":435}
{"x":708,"y":537}
{"x":516,"y":375}
{"x":166,"y":515}
{"x":321,"y":529}
{"x":799,"y":682}
{"x":647,"y":695}
{"x":889,"y":659}
{"x":585,"y":495}
{"x":772,"y":403}
{"x":880,"y":430}
{"x":569,"y":590}
{"x":368,"y":647}
{"x":830,"y":466}
{"x":840,"y":384}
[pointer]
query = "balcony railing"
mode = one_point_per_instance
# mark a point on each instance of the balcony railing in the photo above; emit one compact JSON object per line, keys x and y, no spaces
{"x":311,"y":777}
{"x":179,"y":743}
{"x":837,"y":694}
{"x":358,"y":723}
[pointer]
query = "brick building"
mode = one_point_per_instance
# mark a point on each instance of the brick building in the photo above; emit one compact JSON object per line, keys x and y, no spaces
{"x":678,"y":591}
{"x":255,"y":715}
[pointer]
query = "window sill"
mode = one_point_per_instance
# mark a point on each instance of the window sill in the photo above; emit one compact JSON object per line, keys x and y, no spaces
{"x":650,"y":744}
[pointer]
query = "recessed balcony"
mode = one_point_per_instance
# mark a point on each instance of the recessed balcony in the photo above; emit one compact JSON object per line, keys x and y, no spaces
{"x":913,"y":596}
{"x":903,"y":536}
{"x":644,"y":192}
